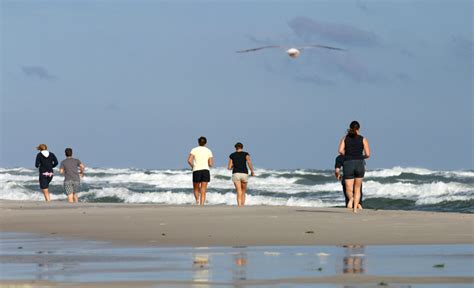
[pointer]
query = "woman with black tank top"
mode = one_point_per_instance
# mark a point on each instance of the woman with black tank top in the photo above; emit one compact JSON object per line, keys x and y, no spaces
{"x":238,"y":162}
{"x":355,"y":149}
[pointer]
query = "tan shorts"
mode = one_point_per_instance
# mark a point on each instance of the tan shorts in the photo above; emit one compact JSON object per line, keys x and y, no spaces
{"x":240,"y":177}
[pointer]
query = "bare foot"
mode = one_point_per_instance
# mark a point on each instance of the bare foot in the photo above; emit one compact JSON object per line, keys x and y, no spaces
{"x":355,"y":211}
{"x":359,"y":206}
{"x":350,"y":203}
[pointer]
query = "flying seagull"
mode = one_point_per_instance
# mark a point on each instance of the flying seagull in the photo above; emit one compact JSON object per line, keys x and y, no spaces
{"x":292,"y":52}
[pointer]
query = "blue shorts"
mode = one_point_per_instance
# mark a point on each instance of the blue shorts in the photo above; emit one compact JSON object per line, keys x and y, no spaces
{"x":354,"y":169}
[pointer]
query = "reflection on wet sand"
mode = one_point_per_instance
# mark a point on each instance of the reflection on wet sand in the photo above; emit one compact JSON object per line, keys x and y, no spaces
{"x":23,"y":259}
{"x":239,"y":271}
{"x":353,"y":262}
{"x":43,"y":270}
{"x":201,"y":270}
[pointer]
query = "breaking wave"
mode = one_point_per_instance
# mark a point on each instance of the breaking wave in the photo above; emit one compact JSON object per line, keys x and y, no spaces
{"x":394,"y":188}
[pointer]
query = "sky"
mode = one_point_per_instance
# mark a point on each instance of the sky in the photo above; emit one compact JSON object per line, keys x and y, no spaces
{"x":135,"y":83}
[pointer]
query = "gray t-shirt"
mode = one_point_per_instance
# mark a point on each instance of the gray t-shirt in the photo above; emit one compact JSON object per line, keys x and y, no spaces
{"x":71,"y":169}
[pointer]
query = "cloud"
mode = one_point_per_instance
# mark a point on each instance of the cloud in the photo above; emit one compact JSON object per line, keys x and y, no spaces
{"x":310,"y":30}
{"x":461,"y":46}
{"x":362,"y":6}
{"x":406,"y":53}
{"x":318,"y":66}
{"x":38,"y":72}
{"x":350,"y":66}
{"x":353,"y":68}
{"x":112,"y":107}
{"x":315,"y":79}
{"x":404,"y":77}
{"x":324,"y":67}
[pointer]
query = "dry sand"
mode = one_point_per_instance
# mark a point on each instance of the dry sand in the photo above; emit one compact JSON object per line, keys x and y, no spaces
{"x":156,"y":225}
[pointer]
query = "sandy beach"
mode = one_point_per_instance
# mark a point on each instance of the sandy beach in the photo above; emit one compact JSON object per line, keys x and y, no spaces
{"x":157,"y":225}
{"x":136,"y":245}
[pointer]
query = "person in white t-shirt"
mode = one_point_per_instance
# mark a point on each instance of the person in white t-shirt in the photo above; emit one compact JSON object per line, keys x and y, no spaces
{"x":200,"y":159}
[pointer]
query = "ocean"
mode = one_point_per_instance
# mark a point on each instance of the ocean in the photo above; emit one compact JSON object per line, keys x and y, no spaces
{"x":396,"y":188}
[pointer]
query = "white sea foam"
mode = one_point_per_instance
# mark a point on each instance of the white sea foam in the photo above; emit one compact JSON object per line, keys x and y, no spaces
{"x":397,"y":171}
{"x":7,"y":177}
{"x":14,"y":191}
{"x":462,"y":174}
{"x":295,"y":172}
{"x":430,"y":200}
{"x":212,"y":198}
{"x":159,"y":180}
{"x":110,"y":170}
{"x":17,"y":170}
{"x":436,"y":191}
{"x":174,"y":186}
{"x":182,"y":180}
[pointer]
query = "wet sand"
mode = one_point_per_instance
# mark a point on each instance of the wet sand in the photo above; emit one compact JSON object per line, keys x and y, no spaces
{"x":31,"y":260}
{"x":244,"y":241}
{"x":333,"y":281}
{"x":156,"y":225}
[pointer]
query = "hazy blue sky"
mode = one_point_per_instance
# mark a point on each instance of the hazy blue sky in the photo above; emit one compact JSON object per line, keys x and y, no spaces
{"x":135,"y":83}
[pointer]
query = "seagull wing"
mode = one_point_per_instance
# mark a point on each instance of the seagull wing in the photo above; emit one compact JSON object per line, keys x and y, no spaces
{"x":256,"y":49}
{"x":322,"y":46}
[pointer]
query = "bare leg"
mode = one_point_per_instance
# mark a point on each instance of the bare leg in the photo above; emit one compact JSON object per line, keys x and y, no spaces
{"x":244,"y":191}
{"x":357,"y":185}
{"x":349,"y":192}
{"x":76,"y":199}
{"x":238,"y":189}
{"x":203,"y":192}
{"x":70,"y":198}
{"x":196,"y":190}
{"x":46,"y":194}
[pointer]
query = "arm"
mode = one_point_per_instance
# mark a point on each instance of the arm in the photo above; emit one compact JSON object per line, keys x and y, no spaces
{"x":339,"y":162}
{"x":249,"y":163}
{"x":190,"y":160}
{"x":337,"y":173}
{"x":342,"y":146}
{"x":230,"y":165}
{"x":210,"y":161}
{"x":55,"y":160}
{"x":61,"y":170}
{"x":337,"y":166}
{"x":366,"y":148}
{"x":37,"y":163}
{"x":82,"y":168}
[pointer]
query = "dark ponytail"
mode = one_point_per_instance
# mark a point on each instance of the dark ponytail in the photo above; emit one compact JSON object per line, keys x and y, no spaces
{"x":352,"y":131}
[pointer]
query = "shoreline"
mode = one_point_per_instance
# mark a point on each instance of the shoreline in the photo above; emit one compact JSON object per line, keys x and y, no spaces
{"x":194,"y":226}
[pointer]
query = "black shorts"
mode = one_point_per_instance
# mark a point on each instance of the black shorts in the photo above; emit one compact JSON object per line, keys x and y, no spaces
{"x":354,"y":169}
{"x":201,"y":176}
{"x":44,"y":181}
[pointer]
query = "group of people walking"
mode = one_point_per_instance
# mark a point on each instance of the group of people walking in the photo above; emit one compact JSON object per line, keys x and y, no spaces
{"x":71,"y":168}
{"x":201,"y":159}
{"x":353,"y":150}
